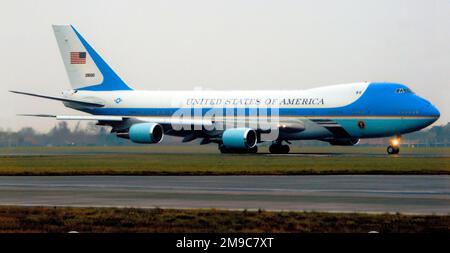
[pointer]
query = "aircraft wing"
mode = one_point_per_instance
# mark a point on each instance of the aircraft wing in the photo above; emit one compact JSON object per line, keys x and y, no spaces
{"x":79,"y":102}
{"x":283,"y":124}
{"x":335,"y":128}
{"x":117,"y":119}
{"x":189,"y":127}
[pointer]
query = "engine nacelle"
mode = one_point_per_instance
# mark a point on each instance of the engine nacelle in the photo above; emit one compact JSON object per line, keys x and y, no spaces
{"x":146,"y":133}
{"x":344,"y":142}
{"x":239,"y":138}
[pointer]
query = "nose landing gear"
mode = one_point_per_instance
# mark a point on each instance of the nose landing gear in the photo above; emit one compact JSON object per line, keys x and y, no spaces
{"x":394,"y":147}
{"x":393,"y":150}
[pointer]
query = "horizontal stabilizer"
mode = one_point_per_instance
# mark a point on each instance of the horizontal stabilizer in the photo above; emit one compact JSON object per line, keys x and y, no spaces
{"x":38,"y":115}
{"x":77,"y":117}
{"x":80,"y":102}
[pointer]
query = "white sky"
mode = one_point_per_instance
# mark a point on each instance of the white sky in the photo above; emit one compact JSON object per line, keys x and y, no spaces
{"x":230,"y":44}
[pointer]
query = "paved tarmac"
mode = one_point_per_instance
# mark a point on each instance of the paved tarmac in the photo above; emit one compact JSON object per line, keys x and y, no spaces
{"x":344,"y":193}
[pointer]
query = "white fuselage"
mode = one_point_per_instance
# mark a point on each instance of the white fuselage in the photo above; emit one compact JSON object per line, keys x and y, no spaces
{"x":324,"y":97}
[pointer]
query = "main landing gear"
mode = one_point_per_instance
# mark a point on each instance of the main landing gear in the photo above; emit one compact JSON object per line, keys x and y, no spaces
{"x":278,"y":148}
{"x":394,"y":147}
{"x":225,"y":150}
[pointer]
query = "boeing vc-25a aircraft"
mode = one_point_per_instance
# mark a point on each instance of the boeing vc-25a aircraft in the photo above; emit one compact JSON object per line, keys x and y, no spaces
{"x":238,"y":121}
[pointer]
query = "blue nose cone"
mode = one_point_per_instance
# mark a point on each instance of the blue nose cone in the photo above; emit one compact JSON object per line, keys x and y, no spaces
{"x":432,"y":111}
{"x":428,"y":110}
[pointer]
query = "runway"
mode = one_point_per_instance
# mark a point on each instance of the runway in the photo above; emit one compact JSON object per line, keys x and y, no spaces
{"x":45,"y":152}
{"x":362,"y":193}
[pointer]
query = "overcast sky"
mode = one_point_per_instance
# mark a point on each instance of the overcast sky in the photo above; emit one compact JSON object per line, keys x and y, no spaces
{"x":230,"y":44}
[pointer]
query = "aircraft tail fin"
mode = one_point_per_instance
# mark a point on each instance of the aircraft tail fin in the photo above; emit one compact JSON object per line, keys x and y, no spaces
{"x":84,"y":66}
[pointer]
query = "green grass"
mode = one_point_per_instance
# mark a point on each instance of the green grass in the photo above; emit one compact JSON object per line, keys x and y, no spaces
{"x":140,"y":161}
{"x":65,"y":219}
{"x":210,"y":149}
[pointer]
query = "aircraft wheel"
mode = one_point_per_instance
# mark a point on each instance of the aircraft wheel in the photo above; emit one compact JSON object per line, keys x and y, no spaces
{"x":279,"y":149}
{"x":253,"y":150}
{"x":274,"y":148}
{"x":285,"y":149}
{"x":223,"y":149}
{"x":392,"y":150}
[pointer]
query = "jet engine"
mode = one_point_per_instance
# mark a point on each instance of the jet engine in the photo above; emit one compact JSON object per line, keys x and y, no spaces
{"x":239,"y":138}
{"x":146,"y":133}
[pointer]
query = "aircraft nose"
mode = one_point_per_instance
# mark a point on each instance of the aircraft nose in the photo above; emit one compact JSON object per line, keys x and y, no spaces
{"x":432,"y":111}
{"x":435,"y":112}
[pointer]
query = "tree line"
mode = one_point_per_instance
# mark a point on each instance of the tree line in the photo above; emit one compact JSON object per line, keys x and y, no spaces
{"x":92,"y":135}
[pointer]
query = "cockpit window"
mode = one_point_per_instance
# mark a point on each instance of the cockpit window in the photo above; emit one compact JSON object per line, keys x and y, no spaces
{"x":403,"y":90}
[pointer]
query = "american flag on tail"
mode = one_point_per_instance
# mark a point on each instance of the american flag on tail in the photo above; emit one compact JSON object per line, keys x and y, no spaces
{"x":77,"y":57}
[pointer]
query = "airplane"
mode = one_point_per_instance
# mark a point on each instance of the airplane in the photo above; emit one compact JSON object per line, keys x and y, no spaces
{"x":338,"y":114}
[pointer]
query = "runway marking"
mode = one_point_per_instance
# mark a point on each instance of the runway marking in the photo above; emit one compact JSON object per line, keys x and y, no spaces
{"x":407,"y":194}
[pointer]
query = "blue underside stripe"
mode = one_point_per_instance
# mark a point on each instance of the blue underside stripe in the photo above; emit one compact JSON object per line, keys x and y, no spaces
{"x":290,"y":112}
{"x":376,"y":126}
{"x":379,"y":127}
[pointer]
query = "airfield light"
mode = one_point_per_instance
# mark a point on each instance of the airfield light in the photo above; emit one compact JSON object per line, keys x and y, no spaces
{"x":395,"y":142}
